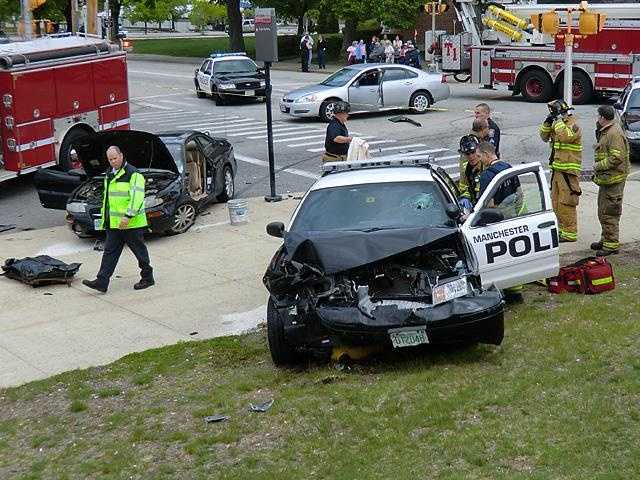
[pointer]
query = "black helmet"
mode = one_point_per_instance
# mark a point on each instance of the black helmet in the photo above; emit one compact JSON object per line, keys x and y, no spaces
{"x":468,"y":144}
{"x":341,"y":107}
{"x":558,"y":107}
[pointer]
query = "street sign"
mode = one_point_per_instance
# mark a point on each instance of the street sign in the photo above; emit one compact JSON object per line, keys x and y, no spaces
{"x":266,"y":35}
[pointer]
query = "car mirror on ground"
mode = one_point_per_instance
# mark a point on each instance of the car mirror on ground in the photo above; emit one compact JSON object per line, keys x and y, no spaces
{"x":453,"y":212}
{"x":487,"y":216}
{"x":275,"y":229}
{"x":617,"y":106}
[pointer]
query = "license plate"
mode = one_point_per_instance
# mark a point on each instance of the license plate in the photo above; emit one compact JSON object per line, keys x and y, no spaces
{"x":408,"y":337}
{"x":250,"y":93}
{"x":96,"y":224}
{"x":450,"y":290}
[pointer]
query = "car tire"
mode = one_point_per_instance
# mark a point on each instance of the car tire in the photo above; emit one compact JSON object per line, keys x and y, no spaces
{"x":326,"y":110}
{"x":183,"y":218}
{"x":220,"y":101}
{"x":582,"y":88}
{"x":420,"y":102}
{"x":71,"y":138}
{"x":536,"y":86}
{"x":228,"y":185}
{"x":495,"y":335}
{"x":282,"y":353}
{"x":200,"y":93}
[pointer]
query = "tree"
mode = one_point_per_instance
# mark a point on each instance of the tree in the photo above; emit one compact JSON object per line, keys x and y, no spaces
{"x":234,"y":16}
{"x":177,"y":9}
{"x":204,"y":13}
{"x":9,"y":9}
{"x":290,"y":9}
{"x":140,"y":12}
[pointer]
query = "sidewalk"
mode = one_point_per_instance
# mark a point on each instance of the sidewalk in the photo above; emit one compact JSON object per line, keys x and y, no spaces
{"x":208,"y":284}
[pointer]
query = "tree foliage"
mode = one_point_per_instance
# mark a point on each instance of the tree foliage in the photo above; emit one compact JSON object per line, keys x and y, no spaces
{"x":203,"y":13}
{"x":9,"y":9}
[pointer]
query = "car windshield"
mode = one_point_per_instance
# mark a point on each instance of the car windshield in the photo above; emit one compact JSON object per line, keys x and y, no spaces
{"x":634,"y":100}
{"x":372,"y":207}
{"x":234,"y":66}
{"x":340,"y":78}
{"x":177,"y":152}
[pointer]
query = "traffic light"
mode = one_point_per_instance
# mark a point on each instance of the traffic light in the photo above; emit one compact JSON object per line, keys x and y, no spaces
{"x":33,"y":4}
{"x":547,"y":22}
{"x":438,"y":7}
{"x":590,"y":23}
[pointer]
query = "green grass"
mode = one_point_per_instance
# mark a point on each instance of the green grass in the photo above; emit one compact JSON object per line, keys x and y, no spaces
{"x":558,"y":400}
{"x":188,"y":47}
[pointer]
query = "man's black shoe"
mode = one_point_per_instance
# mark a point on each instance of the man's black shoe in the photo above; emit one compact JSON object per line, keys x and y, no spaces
{"x":605,"y":251}
{"x":94,"y":284}
{"x":596,"y":246}
{"x":142,"y":284}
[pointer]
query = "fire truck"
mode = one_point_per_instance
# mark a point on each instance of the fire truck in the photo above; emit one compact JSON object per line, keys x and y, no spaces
{"x":54,"y":91}
{"x":499,"y":47}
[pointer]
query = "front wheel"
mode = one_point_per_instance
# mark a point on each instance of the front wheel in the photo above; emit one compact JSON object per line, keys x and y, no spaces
{"x":183,"y":218}
{"x":281,"y":352}
{"x":327,"y":110}
{"x":420,"y":102}
{"x":68,"y":156}
{"x":220,"y":101}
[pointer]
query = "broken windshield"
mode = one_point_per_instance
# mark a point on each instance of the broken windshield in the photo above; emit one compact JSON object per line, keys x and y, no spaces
{"x":373,"y":207}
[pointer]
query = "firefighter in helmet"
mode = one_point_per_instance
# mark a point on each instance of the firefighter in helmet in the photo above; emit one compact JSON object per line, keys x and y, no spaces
{"x":561,"y":130}
{"x":470,"y":170}
{"x":611,"y":170}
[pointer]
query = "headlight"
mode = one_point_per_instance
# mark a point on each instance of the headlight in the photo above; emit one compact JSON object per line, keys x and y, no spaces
{"x":76,"y":207}
{"x":226,"y":86}
{"x":152,"y":201}
{"x":633,"y":135}
{"x":308,"y":98}
{"x":262,"y":83}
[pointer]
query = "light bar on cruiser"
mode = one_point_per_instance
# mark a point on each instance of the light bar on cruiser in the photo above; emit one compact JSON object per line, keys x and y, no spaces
{"x":228,"y":54}
{"x":342,"y":166}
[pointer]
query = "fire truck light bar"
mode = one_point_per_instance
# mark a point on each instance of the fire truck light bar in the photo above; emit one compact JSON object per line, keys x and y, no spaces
{"x":342,"y":166}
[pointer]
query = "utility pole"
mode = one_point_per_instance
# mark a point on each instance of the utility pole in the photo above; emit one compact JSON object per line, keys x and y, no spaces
{"x":92,"y":16}
{"x":74,"y":16}
{"x":26,"y":19}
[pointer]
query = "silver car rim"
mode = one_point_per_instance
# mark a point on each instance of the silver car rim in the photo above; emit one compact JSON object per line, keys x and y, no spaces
{"x":184,"y":217}
{"x":328,"y":110}
{"x":228,"y":183}
{"x":420,"y":103}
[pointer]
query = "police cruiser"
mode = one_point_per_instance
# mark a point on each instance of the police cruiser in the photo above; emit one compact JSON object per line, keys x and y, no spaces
{"x":228,"y":77}
{"x":380,"y":252}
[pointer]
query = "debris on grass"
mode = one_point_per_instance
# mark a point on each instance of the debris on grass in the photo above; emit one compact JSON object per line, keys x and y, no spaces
{"x":261,"y":407}
{"x":216,"y":418}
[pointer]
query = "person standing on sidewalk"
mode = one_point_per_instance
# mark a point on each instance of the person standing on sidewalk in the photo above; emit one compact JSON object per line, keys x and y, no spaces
{"x":322,"y":50}
{"x":611,"y":170}
{"x":124,"y":219}
{"x":561,"y":130}
{"x":304,"y":53}
{"x":337,"y":140}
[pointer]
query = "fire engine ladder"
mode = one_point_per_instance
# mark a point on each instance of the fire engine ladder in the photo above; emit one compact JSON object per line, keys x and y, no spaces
{"x":467,"y":15}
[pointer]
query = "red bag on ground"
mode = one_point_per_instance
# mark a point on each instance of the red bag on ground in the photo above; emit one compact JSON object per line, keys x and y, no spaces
{"x":590,"y":275}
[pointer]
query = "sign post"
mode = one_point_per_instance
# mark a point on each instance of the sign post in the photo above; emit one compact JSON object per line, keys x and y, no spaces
{"x":267,"y":51}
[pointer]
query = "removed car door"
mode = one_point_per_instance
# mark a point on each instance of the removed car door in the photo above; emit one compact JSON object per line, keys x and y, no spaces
{"x":55,"y":187}
{"x":516,"y":241}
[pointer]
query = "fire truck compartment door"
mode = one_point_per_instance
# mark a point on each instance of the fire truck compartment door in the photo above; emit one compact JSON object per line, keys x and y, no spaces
{"x":55,"y":187}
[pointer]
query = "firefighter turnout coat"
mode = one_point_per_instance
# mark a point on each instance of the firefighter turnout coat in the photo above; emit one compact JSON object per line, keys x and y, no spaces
{"x":565,"y":138}
{"x":123,"y":197}
{"x":612,"y":156}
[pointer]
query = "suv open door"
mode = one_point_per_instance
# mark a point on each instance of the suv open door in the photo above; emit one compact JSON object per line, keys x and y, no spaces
{"x":516,"y":241}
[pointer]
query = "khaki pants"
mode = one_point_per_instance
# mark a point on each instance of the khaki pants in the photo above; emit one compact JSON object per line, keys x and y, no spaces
{"x":330,"y":157}
{"x":564,"y":202}
{"x":609,"y":212}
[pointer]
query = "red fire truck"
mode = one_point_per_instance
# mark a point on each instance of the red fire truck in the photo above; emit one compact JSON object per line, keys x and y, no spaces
{"x":54,"y":91}
{"x":532,"y":64}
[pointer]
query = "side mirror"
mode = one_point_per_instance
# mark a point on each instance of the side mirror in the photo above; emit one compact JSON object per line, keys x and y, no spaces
{"x":488,"y":216}
{"x":453,"y":211}
{"x":276,"y":229}
{"x":618,"y":106}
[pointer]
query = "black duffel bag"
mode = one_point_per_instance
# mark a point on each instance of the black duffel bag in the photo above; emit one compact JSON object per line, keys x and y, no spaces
{"x":40,"y":270}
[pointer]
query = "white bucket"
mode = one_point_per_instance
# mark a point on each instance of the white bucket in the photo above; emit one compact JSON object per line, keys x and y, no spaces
{"x":238,"y":211}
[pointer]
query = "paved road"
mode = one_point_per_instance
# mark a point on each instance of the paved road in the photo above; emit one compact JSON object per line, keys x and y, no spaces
{"x":163,"y":98}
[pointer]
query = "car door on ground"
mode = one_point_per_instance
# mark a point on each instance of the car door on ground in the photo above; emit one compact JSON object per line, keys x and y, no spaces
{"x":364,"y":93}
{"x":204,"y":75}
{"x":514,"y":241}
{"x":396,"y":87}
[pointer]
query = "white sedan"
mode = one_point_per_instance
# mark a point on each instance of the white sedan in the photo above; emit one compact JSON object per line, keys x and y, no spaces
{"x":368,"y":87}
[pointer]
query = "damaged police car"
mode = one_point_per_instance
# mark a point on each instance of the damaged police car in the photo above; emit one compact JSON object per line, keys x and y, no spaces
{"x":379,"y":252}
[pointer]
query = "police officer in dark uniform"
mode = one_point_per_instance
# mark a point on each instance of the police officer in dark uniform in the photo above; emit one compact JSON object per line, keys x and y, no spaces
{"x":336,"y":143}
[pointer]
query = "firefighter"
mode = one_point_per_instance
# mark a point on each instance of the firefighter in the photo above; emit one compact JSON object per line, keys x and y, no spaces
{"x":337,"y":140}
{"x":124,"y":219}
{"x":480,"y":132}
{"x":470,"y":170}
{"x":483,"y":112}
{"x":561,"y":130}
{"x":611,"y":170}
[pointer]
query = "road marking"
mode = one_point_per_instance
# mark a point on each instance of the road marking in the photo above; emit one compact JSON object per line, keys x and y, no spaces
{"x":450,"y":157}
{"x":400,"y":147}
{"x":260,"y":131}
{"x":287,"y":134}
{"x":158,"y":96}
{"x":245,"y":126}
{"x":198,"y":228}
{"x":381,"y":141}
{"x":151,"y":105}
{"x":262,"y":163}
{"x":172,"y":75}
{"x":226,"y":121}
{"x":152,"y":115}
{"x":307,"y":144}
{"x":307,"y":137}
{"x":187,"y":120}
{"x":176,"y":103}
